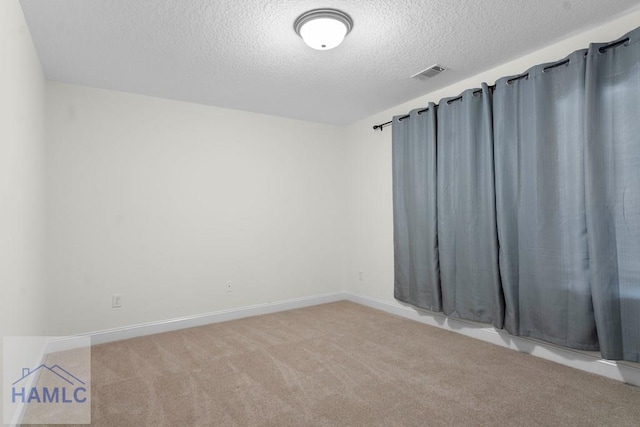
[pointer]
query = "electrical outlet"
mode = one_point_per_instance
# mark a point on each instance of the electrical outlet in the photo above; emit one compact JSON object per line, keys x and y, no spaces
{"x":360,"y":276}
{"x":229,"y":288}
{"x":116,"y":301}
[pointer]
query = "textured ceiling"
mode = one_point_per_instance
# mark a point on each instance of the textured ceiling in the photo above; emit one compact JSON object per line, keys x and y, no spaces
{"x":244,"y":54}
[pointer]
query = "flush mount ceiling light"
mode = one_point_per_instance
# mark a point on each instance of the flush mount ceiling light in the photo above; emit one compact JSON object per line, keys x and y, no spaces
{"x":323,"y":29}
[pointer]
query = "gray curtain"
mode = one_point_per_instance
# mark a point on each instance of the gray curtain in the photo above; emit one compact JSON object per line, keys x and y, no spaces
{"x":417,"y":278}
{"x":521,"y":208}
{"x":613,"y":193}
{"x":467,"y":237}
{"x":544,"y":258}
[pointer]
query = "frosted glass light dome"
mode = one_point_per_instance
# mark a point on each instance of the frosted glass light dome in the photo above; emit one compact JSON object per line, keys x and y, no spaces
{"x":323,"y":29}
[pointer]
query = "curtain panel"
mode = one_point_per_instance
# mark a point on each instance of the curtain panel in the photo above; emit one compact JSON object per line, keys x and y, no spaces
{"x":468,"y":243}
{"x":417,"y":275}
{"x":539,"y":137}
{"x":612,"y":152}
{"x":521,"y":207}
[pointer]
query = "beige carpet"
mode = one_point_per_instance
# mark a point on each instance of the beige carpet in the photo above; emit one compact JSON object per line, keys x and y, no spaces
{"x":342,"y":364}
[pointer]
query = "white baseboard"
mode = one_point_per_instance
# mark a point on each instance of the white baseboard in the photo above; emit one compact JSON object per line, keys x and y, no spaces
{"x":586,"y":361}
{"x":118,"y":334}
{"x":592,"y":362}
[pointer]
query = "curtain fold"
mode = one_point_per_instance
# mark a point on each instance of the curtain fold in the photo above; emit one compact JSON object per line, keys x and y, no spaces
{"x":613,"y":193}
{"x":417,"y":279}
{"x":467,"y":237}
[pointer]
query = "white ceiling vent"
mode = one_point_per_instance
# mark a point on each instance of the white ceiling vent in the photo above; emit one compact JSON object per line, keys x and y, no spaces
{"x":432,"y":71}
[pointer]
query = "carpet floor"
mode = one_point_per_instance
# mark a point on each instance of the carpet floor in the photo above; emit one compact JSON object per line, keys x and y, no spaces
{"x":342,"y":364}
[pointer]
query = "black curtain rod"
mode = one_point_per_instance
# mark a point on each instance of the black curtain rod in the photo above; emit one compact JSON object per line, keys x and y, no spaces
{"x":603,"y":49}
{"x":450,"y":101}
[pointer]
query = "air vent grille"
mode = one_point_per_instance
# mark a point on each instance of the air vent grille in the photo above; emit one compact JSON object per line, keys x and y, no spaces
{"x":428,"y":73}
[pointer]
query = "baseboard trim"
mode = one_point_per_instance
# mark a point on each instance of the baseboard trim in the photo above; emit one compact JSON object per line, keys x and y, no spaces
{"x":585,"y":361}
{"x":151,"y":328}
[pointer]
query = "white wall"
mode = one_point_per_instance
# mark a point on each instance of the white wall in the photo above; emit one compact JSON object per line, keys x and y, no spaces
{"x":164,"y":202}
{"x":22,"y":290}
{"x":370,"y":239}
